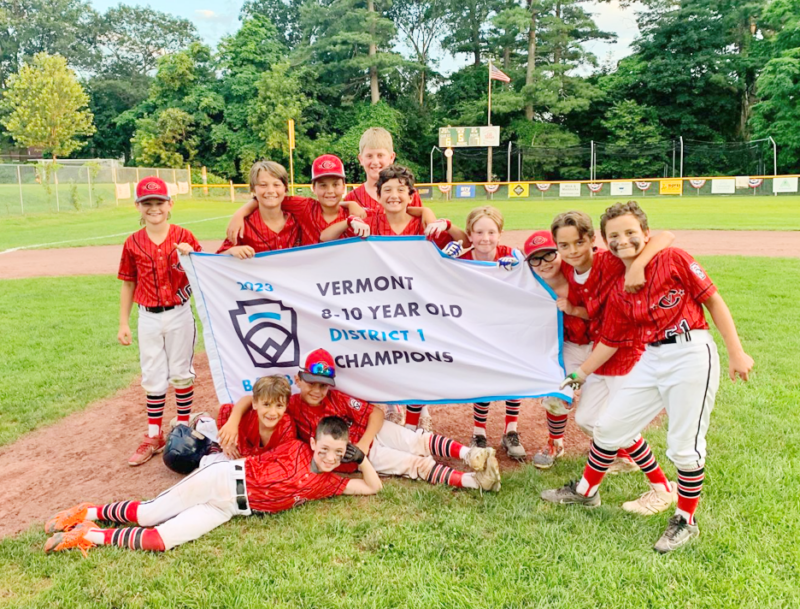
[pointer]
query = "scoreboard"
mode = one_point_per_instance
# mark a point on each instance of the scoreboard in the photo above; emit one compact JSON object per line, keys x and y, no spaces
{"x":462,"y":137}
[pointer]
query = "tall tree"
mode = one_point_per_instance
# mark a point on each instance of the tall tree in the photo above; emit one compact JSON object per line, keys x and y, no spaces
{"x":28,"y":27}
{"x":47,"y":107}
{"x":466,"y":26}
{"x":420,"y":23}
{"x":284,"y":14}
{"x":132,"y":38}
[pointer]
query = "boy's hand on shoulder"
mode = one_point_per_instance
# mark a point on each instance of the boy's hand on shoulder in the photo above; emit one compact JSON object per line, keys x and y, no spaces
{"x":242,"y":252}
{"x":635,"y":279}
{"x":124,"y":335}
{"x":740,"y":364}
{"x":359,"y":227}
{"x":184,"y":248}
{"x":434,"y":229}
{"x":228,"y":439}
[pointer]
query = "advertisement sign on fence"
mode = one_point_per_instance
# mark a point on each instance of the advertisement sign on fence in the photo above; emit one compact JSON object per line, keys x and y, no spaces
{"x":622,"y":189}
{"x":670,"y":187}
{"x":518,"y":190}
{"x":569,"y":189}
{"x":784,"y":185}
{"x":723,"y":187}
{"x":465,"y":191}
{"x":425,"y":192}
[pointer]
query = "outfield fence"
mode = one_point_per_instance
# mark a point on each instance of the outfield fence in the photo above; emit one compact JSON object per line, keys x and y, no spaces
{"x":44,"y":187}
{"x":535,"y":191}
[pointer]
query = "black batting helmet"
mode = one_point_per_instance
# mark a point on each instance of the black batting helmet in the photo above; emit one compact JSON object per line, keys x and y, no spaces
{"x":184,"y":449}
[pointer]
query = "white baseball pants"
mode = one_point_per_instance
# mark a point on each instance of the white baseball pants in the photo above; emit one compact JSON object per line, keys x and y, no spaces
{"x":682,"y":378}
{"x":197,"y":504}
{"x":166,"y":348}
{"x":398,"y":451}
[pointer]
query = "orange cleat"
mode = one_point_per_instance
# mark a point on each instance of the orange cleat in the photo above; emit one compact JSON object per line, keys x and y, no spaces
{"x":76,"y":538}
{"x":68,"y":519}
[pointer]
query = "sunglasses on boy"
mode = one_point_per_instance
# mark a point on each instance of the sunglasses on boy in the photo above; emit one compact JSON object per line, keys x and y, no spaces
{"x":546,"y":257}
{"x":321,"y":369}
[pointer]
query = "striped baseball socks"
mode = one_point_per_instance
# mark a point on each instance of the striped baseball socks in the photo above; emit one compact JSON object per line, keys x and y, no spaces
{"x":445,"y":447}
{"x":132,"y":538}
{"x":413,"y":412}
{"x":155,"y":413}
{"x":556,"y":425}
{"x":183,"y":402}
{"x":441,"y":474}
{"x":512,"y":415}
{"x":690,"y":483}
{"x":596,"y":468}
{"x":121,"y":512}
{"x":643,"y":457}
{"x":480,"y":412}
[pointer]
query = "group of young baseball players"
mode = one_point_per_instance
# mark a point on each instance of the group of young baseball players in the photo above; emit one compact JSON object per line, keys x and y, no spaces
{"x":635,"y":342}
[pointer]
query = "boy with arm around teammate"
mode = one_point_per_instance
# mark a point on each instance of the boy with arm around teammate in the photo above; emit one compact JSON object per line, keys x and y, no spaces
{"x":679,"y":370}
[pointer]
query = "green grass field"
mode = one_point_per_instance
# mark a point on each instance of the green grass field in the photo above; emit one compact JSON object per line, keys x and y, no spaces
{"x":207,"y":219}
{"x":420,"y":546}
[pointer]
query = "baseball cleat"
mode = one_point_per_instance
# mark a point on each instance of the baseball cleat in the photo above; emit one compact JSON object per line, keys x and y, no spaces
{"x":76,"y":538}
{"x":568,"y":494}
{"x":513,"y":447}
{"x":479,"y":441}
{"x":396,"y":417}
{"x":147,"y":449}
{"x":173,"y":422}
{"x":678,"y":533}
{"x":622,"y":466}
{"x":66,"y":520}
{"x":489,"y":477}
{"x":652,"y":502}
{"x":477,"y":457}
{"x":547,"y":457}
{"x":425,"y":423}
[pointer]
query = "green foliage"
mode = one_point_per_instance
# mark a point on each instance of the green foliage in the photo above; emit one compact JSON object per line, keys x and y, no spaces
{"x":46,"y":105}
{"x":630,"y":126}
{"x":165,"y":141}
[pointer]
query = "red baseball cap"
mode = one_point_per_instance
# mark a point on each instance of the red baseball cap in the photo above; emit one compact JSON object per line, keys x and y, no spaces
{"x":319,"y":368}
{"x":539,"y":241}
{"x":327,"y":165}
{"x":152,"y":188}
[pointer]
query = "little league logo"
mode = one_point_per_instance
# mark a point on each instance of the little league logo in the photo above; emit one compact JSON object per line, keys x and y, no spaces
{"x":268,"y":332}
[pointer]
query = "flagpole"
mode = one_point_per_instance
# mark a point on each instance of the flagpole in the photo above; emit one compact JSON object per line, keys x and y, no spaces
{"x":489,"y":121}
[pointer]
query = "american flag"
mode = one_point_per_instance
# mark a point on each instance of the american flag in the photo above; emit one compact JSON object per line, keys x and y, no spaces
{"x":495,"y":74}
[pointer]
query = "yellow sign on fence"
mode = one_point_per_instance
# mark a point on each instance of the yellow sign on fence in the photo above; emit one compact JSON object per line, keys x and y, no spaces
{"x":518,"y":190}
{"x":671,"y":187}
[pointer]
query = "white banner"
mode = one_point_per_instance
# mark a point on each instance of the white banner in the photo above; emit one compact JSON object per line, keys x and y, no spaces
{"x":723,"y":186}
{"x":622,"y":189}
{"x":404,"y":323}
{"x":784,"y":185}
{"x":566,"y":189}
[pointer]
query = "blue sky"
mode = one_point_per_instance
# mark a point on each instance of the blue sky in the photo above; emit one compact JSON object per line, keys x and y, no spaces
{"x":216,"y":18}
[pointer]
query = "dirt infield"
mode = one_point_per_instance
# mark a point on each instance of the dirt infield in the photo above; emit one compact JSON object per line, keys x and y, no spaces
{"x":84,"y":456}
{"x":104,"y":259}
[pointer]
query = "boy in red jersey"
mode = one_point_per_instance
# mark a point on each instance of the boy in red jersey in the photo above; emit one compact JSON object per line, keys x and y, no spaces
{"x":393,"y":450}
{"x":269,"y":227}
{"x":314,"y":215}
{"x":679,"y":370}
{"x":153,"y":278}
{"x":375,"y":153}
{"x":281,"y":479}
{"x":484,"y":226}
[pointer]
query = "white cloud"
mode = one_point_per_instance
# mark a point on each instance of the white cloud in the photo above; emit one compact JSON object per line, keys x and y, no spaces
{"x":205,"y":14}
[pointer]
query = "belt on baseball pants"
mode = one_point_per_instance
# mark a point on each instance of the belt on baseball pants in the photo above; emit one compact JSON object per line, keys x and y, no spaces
{"x":158,"y":309}
{"x":241,"y":491}
{"x":675,"y":338}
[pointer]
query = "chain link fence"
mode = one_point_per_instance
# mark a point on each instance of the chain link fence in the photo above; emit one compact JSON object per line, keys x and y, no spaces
{"x":72,"y":185}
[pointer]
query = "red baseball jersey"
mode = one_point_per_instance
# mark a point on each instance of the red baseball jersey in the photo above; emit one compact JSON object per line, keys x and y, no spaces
{"x":338,"y":404}
{"x":281,"y":479}
{"x":363,"y":198}
{"x":156,"y":269}
{"x":670,"y":303}
{"x":606,"y":270}
{"x":262,"y":238}
{"x":308,"y":213}
{"x":379,"y":225}
{"x":502,"y":252}
{"x":249,"y":440}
